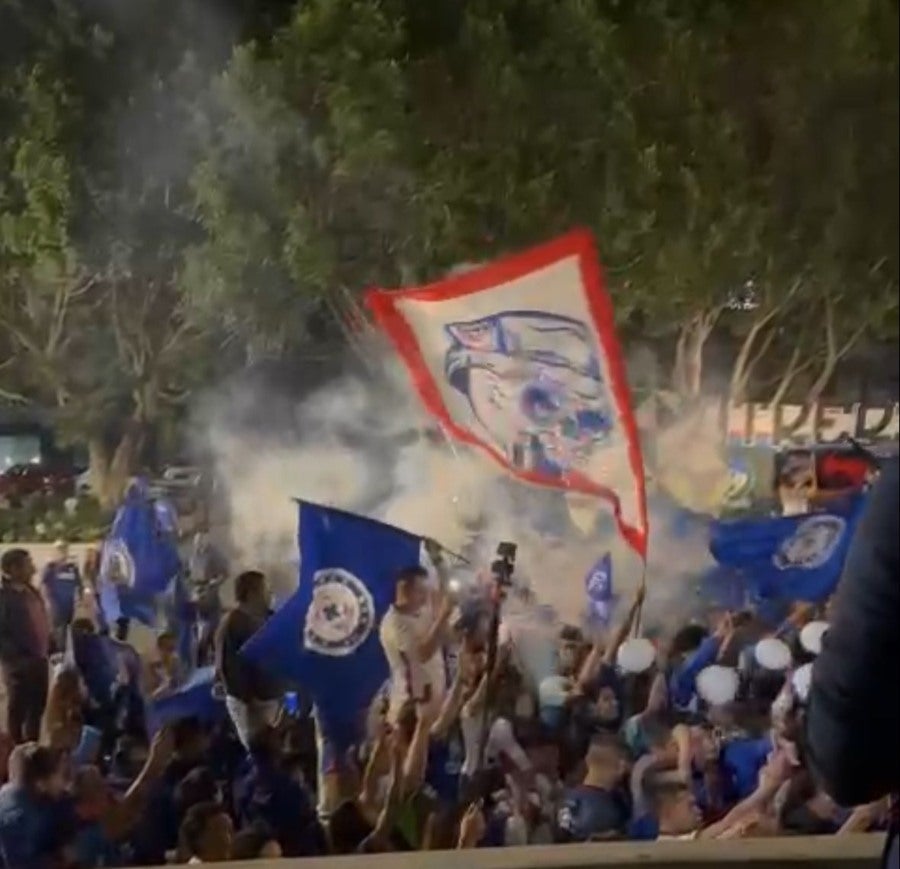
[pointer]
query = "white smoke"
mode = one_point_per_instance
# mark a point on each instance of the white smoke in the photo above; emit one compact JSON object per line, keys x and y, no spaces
{"x":353,"y":445}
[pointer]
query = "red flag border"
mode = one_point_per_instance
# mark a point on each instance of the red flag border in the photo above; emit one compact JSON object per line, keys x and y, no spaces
{"x":578,"y":243}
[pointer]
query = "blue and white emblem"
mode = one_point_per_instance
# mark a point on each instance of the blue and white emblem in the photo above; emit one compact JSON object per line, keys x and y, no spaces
{"x":117,"y":564}
{"x":341,"y":614}
{"x":533,"y":381}
{"x":812,"y":544}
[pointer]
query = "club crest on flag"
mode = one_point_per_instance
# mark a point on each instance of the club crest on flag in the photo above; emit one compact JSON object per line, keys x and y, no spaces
{"x":533,"y":381}
{"x":118,"y":563}
{"x":341,"y":614}
{"x":812,"y":544}
{"x":519,"y":358}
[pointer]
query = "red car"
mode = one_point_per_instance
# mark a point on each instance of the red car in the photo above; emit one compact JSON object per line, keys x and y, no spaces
{"x":19,"y":481}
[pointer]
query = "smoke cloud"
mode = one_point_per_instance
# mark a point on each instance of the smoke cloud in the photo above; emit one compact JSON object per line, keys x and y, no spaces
{"x":359,"y":444}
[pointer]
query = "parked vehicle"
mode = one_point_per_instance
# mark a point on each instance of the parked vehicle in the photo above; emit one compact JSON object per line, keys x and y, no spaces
{"x":20,"y":481}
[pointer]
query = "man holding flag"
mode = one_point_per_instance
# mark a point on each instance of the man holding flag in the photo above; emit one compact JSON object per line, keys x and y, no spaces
{"x":412,"y":635}
{"x":251,"y":696}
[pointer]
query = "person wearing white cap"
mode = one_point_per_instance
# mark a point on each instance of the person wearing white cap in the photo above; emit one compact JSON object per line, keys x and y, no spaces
{"x":853,"y":710}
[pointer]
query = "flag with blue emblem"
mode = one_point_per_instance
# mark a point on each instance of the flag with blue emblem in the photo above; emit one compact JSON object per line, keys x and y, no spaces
{"x":325,"y":637}
{"x":138,"y":561}
{"x":598,"y":586}
{"x":199,"y":697}
{"x":520,"y":359}
{"x":789,"y":557}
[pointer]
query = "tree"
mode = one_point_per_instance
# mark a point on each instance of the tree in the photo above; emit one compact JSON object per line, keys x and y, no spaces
{"x":301,"y":190}
{"x":91,"y":235}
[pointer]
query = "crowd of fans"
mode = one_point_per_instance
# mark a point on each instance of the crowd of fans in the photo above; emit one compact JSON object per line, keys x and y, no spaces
{"x":699,"y":735}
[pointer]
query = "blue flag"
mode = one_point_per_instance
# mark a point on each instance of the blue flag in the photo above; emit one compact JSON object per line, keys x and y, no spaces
{"x":598,"y":586}
{"x":789,"y":557}
{"x":325,"y":637}
{"x":197,"y":698}
{"x":139,"y":560}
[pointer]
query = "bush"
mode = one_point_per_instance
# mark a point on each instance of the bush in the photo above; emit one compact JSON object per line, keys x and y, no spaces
{"x":50,"y":517}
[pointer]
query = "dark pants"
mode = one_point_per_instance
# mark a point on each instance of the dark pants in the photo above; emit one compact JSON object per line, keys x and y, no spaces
{"x":26,"y":696}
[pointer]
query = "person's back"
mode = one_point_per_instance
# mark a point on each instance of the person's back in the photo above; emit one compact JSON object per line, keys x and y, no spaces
{"x":854,"y":707}
{"x":36,"y":819}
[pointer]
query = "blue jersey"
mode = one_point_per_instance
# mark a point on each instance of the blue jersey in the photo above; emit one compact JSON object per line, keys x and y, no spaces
{"x":62,"y":582}
{"x":445,"y":761}
{"x":589,"y":812}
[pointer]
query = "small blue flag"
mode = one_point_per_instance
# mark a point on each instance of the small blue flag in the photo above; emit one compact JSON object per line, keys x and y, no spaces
{"x":325,"y":637}
{"x":138,"y":561}
{"x":598,"y":585}
{"x":789,"y":557}
{"x":198,"y":698}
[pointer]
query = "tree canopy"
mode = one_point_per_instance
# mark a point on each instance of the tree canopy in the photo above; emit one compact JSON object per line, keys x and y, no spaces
{"x":174,"y":207}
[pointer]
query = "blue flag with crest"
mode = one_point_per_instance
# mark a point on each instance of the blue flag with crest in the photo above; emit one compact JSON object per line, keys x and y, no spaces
{"x":789,"y":557}
{"x":325,"y":637}
{"x":598,"y":586}
{"x":138,"y":561}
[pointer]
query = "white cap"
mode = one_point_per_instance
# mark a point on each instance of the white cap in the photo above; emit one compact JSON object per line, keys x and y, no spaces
{"x":773,"y":654}
{"x":717,"y":685}
{"x":636,"y":655}
{"x":552,"y":691}
{"x":801,"y":680}
{"x":811,"y":636}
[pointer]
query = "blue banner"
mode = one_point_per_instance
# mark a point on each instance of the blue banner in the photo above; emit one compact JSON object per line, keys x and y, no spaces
{"x":138,"y":561}
{"x":598,"y":586}
{"x":197,"y":698}
{"x":789,"y":557}
{"x":325,"y":637}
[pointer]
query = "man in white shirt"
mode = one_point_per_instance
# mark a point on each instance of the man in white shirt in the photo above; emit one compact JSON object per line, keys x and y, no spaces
{"x":412,"y":635}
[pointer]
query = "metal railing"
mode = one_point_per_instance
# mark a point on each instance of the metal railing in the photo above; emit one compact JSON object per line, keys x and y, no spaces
{"x":798,"y":852}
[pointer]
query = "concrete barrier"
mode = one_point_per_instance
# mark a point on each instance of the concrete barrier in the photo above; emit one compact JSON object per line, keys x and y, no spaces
{"x":823,"y":852}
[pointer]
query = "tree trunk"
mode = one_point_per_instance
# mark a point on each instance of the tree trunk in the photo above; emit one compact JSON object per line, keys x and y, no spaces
{"x":688,"y":374}
{"x":787,"y":378}
{"x":110,"y":470}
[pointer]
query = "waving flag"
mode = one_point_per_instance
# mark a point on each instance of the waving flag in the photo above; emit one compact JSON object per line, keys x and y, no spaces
{"x":598,"y":585}
{"x":138,"y":561}
{"x":520,"y":359}
{"x":325,"y":637}
{"x":790,"y":557}
{"x":196,"y":698}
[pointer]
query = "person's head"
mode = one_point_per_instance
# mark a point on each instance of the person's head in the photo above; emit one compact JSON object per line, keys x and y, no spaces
{"x":38,"y":770}
{"x":16,"y":565}
{"x":129,"y":757}
{"x":190,"y":739}
{"x":82,"y":626}
{"x":251,"y":591}
{"x":411,"y":588}
{"x":407,"y":718}
{"x":206,"y":833}
{"x":608,"y":705}
{"x":705,"y":746}
{"x":685,"y":641}
{"x":166,"y":646}
{"x":347,"y":828}
{"x":674,"y":807}
{"x":65,"y":690}
{"x":569,"y":650}
{"x":256,"y":842}
{"x":606,"y":761}
{"x":61,"y":551}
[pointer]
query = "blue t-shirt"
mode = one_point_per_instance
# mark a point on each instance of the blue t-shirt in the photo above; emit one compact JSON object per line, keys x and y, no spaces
{"x":590,"y":811}
{"x":741,"y":760}
{"x":32,"y":831}
{"x":62,"y":581}
{"x":445,"y":760}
